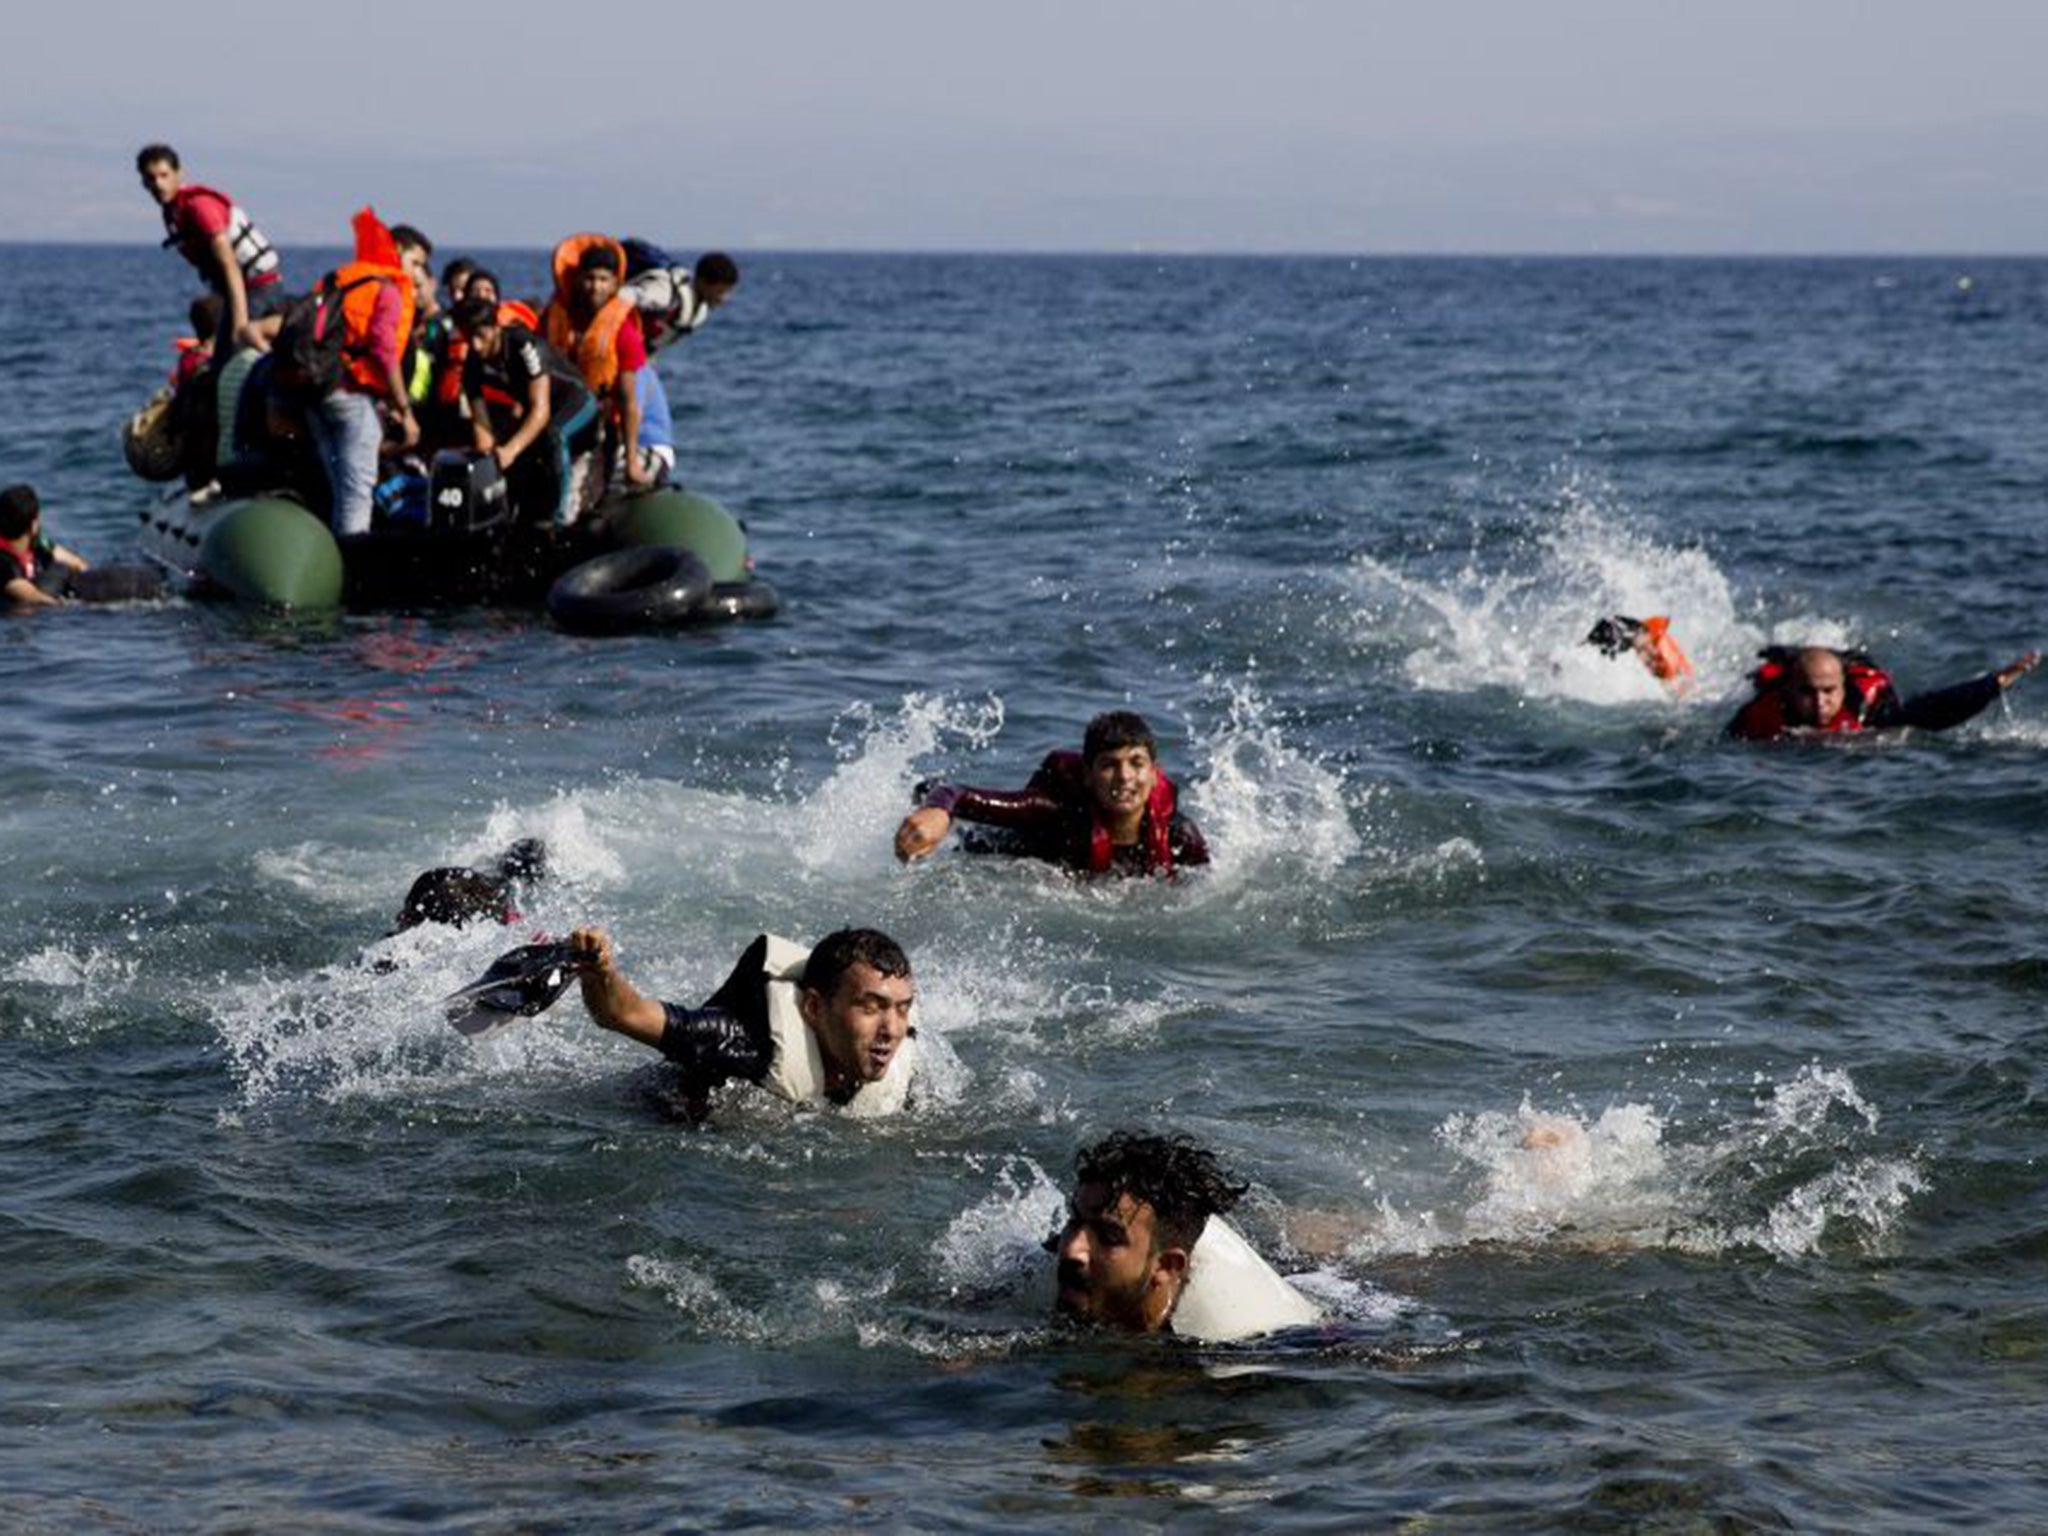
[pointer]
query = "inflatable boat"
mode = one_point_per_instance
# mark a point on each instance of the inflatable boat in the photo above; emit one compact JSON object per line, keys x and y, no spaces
{"x":445,"y":533}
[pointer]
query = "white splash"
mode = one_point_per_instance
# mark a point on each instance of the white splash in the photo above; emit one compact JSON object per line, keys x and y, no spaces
{"x":1521,"y":623}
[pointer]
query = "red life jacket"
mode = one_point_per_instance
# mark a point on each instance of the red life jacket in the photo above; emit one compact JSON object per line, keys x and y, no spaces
{"x":21,"y":556}
{"x":1864,"y":683}
{"x":1065,"y":774}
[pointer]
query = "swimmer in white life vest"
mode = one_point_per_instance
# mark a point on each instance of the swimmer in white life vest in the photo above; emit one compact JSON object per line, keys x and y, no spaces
{"x":831,"y":1025}
{"x":1146,"y":1249}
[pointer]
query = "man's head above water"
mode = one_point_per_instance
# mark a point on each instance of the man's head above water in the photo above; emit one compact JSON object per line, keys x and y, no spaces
{"x":1815,"y":688}
{"x":1139,"y":1206}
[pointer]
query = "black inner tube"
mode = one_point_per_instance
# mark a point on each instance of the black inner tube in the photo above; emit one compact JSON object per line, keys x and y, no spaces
{"x":650,"y":586}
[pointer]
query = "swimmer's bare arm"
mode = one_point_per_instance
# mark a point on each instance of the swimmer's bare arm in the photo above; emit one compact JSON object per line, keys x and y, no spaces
{"x":922,"y":831}
{"x":27,"y":594}
{"x":2009,"y":675}
{"x":614,"y":1002}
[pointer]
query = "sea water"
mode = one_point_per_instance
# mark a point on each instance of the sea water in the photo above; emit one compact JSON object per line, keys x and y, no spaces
{"x":283,"y":1250}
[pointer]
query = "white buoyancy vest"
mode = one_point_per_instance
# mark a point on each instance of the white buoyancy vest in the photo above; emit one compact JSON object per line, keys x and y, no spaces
{"x":667,"y":296}
{"x":1231,"y":1293}
{"x":797,"y":1068}
{"x":253,"y":253}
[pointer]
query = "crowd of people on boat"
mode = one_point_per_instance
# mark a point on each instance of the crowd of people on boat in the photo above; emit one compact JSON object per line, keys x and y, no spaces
{"x":357,"y":381}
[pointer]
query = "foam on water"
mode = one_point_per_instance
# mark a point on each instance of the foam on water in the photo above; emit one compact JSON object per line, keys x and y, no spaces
{"x":1270,"y":812}
{"x":1622,"y":1179}
{"x":1520,"y":620}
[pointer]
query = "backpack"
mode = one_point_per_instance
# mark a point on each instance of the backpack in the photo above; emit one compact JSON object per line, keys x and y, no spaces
{"x":644,"y":256}
{"x":311,"y":350}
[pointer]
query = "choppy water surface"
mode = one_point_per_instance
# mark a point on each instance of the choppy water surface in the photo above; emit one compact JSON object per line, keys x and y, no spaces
{"x":282,"y":1248}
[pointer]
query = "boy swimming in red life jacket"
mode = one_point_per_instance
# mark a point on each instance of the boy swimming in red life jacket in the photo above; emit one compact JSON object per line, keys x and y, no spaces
{"x":1814,"y":690}
{"x":1651,"y":641}
{"x":32,"y":569}
{"x":1107,"y":809}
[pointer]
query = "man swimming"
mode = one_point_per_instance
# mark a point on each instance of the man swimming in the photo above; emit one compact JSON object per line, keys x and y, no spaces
{"x":1815,"y":690}
{"x":459,"y":895}
{"x":1107,"y":809}
{"x":1145,"y":1248}
{"x":830,"y":1025}
{"x":1650,"y":641}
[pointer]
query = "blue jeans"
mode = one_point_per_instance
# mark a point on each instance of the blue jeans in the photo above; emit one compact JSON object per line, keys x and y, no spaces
{"x":349,"y":433}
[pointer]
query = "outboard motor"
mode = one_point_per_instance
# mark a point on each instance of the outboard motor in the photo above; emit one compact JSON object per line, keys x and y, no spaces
{"x":467,"y":493}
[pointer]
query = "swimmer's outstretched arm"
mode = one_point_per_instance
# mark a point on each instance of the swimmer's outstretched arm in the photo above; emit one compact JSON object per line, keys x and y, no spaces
{"x":1946,"y":707}
{"x":614,"y":1002}
{"x":922,"y":831}
{"x":2008,"y":675}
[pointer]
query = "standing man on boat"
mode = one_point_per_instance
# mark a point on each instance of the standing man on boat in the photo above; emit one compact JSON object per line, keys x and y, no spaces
{"x":673,"y":302}
{"x":224,"y":246}
{"x":378,"y":294}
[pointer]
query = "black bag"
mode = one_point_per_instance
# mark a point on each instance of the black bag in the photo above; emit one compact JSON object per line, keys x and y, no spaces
{"x":311,"y":350}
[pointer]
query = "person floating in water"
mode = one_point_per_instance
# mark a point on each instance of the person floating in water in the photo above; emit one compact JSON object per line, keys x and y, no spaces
{"x":1651,"y":642}
{"x":1107,"y":809}
{"x":831,"y":1025}
{"x":33,"y":571}
{"x":1145,"y":1248}
{"x":458,"y":895}
{"x":1815,"y":690}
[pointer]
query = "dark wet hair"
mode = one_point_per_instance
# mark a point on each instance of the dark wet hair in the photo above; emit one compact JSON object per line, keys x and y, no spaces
{"x":840,"y":951}
{"x":601,"y":258}
{"x":458,"y":896}
{"x":151,"y":154}
{"x":407,"y":238}
{"x":472,"y":315}
{"x":205,"y":315}
{"x":461,"y":266}
{"x":20,"y":506}
{"x":1615,"y":634}
{"x":715,"y":267}
{"x":1114,"y":731}
{"x":1175,"y":1175}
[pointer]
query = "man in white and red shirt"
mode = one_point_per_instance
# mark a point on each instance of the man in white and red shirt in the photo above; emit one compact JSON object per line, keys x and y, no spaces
{"x":221,"y":242}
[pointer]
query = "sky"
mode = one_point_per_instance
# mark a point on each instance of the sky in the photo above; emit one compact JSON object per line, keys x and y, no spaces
{"x":1339,"y":126}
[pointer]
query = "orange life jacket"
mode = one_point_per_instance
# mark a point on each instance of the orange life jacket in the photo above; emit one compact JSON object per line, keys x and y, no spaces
{"x":594,"y":347}
{"x":1662,"y":655}
{"x":376,"y":257}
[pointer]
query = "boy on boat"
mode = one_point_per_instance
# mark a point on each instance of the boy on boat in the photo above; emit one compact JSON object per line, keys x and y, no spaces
{"x":1107,"y":809}
{"x":591,"y":323}
{"x":529,"y":409}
